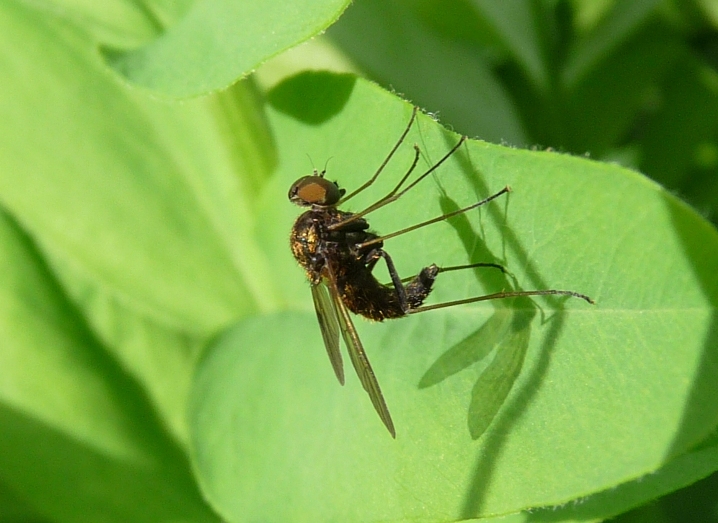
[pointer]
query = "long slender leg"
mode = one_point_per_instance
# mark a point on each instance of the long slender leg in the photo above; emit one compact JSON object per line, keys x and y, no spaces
{"x":499,"y":296}
{"x":417,"y":153}
{"x":435,"y":220}
{"x":462,"y":267}
{"x":472,"y":266}
{"x":395,"y":194}
{"x":386,"y":160}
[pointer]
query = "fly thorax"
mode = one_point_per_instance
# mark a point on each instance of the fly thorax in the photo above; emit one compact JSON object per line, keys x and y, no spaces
{"x":305,"y":239}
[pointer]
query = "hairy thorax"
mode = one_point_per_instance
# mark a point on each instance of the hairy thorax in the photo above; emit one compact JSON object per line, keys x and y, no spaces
{"x":313,"y":242}
{"x":320,"y":250}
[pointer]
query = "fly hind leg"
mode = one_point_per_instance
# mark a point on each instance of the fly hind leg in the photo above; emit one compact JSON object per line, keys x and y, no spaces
{"x":419,"y":286}
{"x":414,"y":293}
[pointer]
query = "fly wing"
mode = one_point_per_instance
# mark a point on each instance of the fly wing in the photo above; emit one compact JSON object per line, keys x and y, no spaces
{"x":328,"y":323}
{"x":358,"y":356}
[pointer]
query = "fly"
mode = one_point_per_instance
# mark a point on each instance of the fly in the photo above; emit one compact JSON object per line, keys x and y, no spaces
{"x":338,"y":252}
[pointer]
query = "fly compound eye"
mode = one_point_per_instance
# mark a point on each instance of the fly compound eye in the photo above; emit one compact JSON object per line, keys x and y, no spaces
{"x":314,"y":190}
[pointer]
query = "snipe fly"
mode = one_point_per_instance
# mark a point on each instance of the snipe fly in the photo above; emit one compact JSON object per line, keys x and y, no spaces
{"x":338,"y":253}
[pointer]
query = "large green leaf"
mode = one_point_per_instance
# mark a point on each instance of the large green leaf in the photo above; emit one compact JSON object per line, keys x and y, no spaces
{"x":688,"y":121}
{"x":218,"y":42}
{"x":148,"y":200}
{"x":615,"y":28}
{"x":79,"y":439}
{"x":598,"y":396}
{"x":597,"y":115}
{"x":388,"y":39}
{"x":161,"y":357}
{"x":118,"y":23}
{"x":517,"y":24}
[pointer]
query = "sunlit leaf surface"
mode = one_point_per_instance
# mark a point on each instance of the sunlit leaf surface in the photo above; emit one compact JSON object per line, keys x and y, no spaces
{"x":566,"y":399}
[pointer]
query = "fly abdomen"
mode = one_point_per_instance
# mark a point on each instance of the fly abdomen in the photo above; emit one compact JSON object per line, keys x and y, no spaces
{"x":363,"y":294}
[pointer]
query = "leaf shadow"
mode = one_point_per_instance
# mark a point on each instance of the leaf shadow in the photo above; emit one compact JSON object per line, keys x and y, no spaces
{"x":475,"y":347}
{"x":151,"y":468}
{"x":695,"y":437}
{"x":509,"y":336}
{"x":701,"y":404}
{"x":506,"y":333}
{"x":493,"y":386}
{"x":312,"y":97}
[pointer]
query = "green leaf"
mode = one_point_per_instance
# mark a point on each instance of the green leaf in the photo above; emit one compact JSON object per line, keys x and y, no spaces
{"x":161,"y":358}
{"x":457,"y":82}
{"x":216,"y":43}
{"x":687,"y":121}
{"x":118,"y":23}
{"x":79,"y":439}
{"x":518,"y":25}
{"x":12,"y":508}
{"x":147,"y":199}
{"x":597,"y":115}
{"x":614,"y":29}
{"x":598,"y":396}
{"x":679,"y":472}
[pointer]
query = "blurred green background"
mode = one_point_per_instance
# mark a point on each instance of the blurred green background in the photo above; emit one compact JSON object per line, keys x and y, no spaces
{"x":630,"y":81}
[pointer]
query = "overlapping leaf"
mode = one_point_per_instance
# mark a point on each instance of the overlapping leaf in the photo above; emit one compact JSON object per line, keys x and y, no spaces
{"x":603,"y":395}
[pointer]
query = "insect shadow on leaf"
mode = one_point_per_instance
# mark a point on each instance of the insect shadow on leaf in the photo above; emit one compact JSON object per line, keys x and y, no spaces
{"x":338,"y":253}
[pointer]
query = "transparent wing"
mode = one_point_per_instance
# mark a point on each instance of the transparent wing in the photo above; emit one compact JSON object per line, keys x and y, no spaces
{"x":328,"y":323}
{"x":358,"y":356}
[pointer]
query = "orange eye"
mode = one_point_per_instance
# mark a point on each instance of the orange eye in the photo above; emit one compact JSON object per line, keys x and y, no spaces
{"x":314,"y":190}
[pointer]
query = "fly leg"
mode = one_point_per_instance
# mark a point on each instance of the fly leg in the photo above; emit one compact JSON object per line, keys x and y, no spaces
{"x":413,"y":294}
{"x":371,"y":259}
{"x":461,"y":267}
{"x":419,"y":286}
